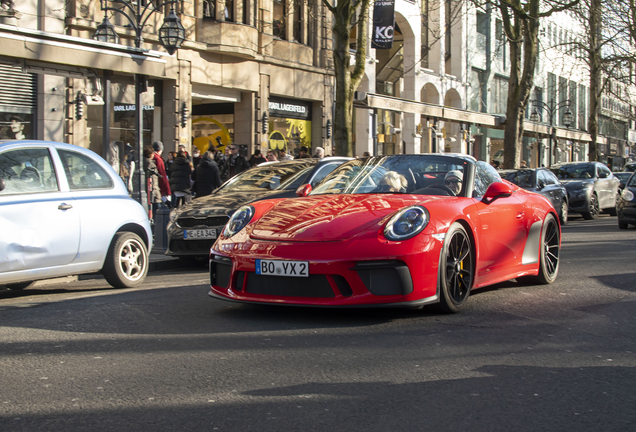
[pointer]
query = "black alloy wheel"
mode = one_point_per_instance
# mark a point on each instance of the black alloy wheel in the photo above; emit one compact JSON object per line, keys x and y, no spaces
{"x":594,"y":209}
{"x":457,"y":269}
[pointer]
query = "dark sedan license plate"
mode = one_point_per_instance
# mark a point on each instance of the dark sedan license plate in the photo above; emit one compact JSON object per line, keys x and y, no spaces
{"x":282,"y":268}
{"x":199,"y":234}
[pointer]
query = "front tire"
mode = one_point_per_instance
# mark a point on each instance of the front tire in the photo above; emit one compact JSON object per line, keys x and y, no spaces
{"x":594,"y":209}
{"x":622,"y":225}
{"x":457,"y":267}
{"x":126,"y":263}
{"x":563,"y":214}
{"x":549,"y":254}
{"x":612,"y":210}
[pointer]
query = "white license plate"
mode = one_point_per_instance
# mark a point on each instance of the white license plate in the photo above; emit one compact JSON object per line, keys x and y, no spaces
{"x":282,"y":268}
{"x":199,"y":234}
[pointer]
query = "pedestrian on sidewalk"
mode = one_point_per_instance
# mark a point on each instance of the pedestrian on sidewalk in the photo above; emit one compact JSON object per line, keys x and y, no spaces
{"x":180,"y":181}
{"x":206,"y":176}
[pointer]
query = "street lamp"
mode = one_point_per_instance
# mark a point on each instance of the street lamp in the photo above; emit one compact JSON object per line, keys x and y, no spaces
{"x":551,"y":109}
{"x":171,"y":36}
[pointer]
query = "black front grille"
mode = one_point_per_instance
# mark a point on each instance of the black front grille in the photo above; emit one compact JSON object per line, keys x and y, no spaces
{"x":385,"y":278}
{"x":212,"y":221}
{"x":220,"y":271}
{"x":202,"y":246}
{"x":312,"y":286}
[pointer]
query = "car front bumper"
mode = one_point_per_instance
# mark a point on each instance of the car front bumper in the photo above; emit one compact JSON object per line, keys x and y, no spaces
{"x":349,"y":273}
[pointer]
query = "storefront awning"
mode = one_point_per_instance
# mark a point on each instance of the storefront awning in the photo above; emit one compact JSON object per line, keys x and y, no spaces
{"x":396,"y":104}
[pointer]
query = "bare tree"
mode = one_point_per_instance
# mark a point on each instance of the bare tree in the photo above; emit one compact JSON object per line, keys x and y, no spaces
{"x":521,"y":21}
{"x":347,"y":15}
{"x":607,"y":48}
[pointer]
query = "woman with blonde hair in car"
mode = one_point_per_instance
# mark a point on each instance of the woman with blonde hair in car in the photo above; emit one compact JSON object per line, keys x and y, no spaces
{"x":392,"y":181}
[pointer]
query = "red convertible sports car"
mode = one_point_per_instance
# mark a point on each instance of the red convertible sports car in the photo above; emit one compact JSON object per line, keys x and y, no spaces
{"x":403,"y":230}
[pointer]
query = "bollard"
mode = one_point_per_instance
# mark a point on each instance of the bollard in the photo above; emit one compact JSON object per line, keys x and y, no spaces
{"x":162,"y":217}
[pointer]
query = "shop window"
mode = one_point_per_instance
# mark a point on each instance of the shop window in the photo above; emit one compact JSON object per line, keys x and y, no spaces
{"x":16,"y":126}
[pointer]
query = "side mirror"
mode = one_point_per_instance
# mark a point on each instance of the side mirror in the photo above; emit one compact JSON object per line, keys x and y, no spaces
{"x":602,"y":174}
{"x":541,"y":184}
{"x":2,"y":185}
{"x":304,"y":190}
{"x":497,"y":190}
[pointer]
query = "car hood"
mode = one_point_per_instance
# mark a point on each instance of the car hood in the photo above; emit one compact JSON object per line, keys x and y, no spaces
{"x":226,"y":204}
{"x":577,"y":184}
{"x":330,"y":217}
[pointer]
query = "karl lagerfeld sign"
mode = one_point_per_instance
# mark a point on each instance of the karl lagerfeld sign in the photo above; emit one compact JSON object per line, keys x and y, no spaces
{"x":383,"y":24}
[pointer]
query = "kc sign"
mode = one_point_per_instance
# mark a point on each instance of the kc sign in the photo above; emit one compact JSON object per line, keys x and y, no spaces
{"x":383,"y":24}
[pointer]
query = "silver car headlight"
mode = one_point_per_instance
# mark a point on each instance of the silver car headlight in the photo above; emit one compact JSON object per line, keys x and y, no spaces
{"x":238,"y":221}
{"x":627,"y":195}
{"x":406,"y":223}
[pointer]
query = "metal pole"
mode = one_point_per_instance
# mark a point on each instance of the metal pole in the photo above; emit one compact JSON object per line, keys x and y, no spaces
{"x":139,"y":124}
{"x":106,"y":115}
{"x":374,"y":128}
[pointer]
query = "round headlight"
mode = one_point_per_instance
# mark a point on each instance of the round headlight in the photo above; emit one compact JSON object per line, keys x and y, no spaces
{"x":627,"y":194}
{"x":406,"y":223}
{"x":238,"y":221}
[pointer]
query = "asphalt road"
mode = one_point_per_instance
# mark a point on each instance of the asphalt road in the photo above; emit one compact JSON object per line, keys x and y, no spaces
{"x":80,"y":356}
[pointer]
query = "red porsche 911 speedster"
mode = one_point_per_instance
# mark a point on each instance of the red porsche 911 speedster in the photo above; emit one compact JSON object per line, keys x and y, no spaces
{"x":403,"y":230}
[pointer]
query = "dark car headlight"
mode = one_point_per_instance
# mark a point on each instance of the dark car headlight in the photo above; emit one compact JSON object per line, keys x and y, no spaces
{"x":406,"y":223}
{"x":238,"y":221}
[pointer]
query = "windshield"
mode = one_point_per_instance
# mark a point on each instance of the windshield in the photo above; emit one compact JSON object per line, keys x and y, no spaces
{"x":274,"y":176}
{"x":524,"y":179}
{"x":413,"y":174}
{"x":576,"y":171}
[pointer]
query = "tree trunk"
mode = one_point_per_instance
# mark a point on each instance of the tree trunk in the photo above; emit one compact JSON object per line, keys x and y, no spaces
{"x":347,"y":80}
{"x":522,"y":33}
{"x":595,"y":76}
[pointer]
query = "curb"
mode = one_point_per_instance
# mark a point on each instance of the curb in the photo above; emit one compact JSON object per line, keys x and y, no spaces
{"x":165,"y":264}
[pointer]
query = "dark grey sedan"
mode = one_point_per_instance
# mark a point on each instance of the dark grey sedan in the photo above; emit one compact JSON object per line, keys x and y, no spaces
{"x":626,"y":205}
{"x":544,"y":182}
{"x":194,"y":228}
{"x":591,"y":187}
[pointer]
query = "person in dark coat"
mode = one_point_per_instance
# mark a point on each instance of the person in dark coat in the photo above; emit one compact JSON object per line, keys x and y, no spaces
{"x":257,"y":158}
{"x":180,"y":180}
{"x":234,"y":164}
{"x":206,"y":176}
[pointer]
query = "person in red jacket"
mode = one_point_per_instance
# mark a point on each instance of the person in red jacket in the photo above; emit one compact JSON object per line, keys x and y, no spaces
{"x":164,"y":184}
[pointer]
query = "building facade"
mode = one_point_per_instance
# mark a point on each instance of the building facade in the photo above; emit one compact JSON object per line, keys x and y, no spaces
{"x":241,"y":62}
{"x":260,"y":74}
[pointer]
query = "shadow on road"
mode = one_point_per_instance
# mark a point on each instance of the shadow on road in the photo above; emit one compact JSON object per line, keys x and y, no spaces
{"x":494,"y":398}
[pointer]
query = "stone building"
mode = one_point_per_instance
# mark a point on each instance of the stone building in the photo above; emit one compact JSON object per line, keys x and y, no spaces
{"x":241,"y":62}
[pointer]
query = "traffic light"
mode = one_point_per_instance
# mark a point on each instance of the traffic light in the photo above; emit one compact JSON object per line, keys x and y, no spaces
{"x":184,"y":115}
{"x":79,"y":106}
{"x":265,"y":124}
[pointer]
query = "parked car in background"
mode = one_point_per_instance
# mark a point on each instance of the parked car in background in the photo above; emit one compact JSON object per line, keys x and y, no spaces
{"x":194,"y":228}
{"x":399,"y":230}
{"x":64,"y":211}
{"x":591,"y":187}
{"x":622,"y":177}
{"x":626,"y":205}
{"x":544,"y":182}
{"x":631,"y":167}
